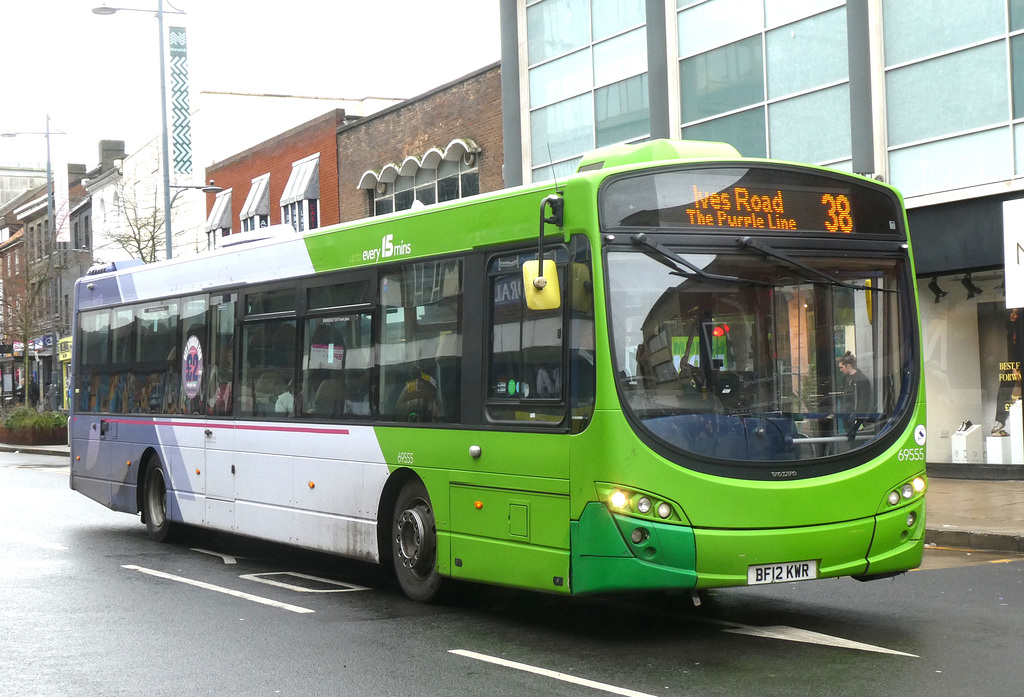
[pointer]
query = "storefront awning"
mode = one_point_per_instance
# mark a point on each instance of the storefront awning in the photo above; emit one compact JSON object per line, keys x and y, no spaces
{"x":220,"y":214}
{"x":304,"y":182}
{"x":258,"y":200}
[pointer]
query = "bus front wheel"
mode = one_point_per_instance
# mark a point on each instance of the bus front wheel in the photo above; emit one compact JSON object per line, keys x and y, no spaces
{"x":414,"y":543}
{"x":154,"y":502}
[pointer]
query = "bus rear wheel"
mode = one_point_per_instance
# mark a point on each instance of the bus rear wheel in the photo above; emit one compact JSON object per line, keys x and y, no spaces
{"x":154,"y":504}
{"x":414,"y":543}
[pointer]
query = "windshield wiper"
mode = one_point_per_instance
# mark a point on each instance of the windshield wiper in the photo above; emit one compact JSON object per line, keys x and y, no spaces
{"x":750,"y":243}
{"x":678,"y":263}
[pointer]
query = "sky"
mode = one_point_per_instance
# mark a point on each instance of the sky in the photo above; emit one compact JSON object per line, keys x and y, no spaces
{"x":98,"y":77}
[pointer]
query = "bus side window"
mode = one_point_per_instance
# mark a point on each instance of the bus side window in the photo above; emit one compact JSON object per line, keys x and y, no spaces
{"x":526,"y":373}
{"x":335,"y":366}
{"x":220,"y":377}
{"x":267,"y":369}
{"x":421,"y":343}
{"x":94,"y":359}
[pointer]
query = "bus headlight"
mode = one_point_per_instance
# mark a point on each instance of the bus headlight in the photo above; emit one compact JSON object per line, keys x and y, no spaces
{"x":624,"y":500}
{"x":894,"y":498}
{"x":918,"y":484}
{"x":908,"y":491}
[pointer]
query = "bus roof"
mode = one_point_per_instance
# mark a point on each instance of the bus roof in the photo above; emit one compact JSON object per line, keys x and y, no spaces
{"x":656,"y":151}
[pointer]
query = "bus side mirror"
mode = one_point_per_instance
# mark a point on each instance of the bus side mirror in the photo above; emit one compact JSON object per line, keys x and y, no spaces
{"x":540,"y":277}
{"x":541,"y":287}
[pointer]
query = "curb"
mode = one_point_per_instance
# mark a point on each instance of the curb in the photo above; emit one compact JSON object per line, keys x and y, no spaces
{"x":967,"y":539}
{"x":36,"y":450}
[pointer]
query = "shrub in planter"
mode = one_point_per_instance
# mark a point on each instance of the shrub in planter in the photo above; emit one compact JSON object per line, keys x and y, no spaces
{"x":25,"y":426}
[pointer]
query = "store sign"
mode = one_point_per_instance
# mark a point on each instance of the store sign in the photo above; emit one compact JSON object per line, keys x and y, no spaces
{"x":1013,"y":251}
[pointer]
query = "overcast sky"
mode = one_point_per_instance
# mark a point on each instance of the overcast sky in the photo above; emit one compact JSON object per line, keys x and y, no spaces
{"x":98,"y":77}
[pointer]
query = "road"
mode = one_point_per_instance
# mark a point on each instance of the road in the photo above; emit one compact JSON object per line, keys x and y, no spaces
{"x":90,"y":606}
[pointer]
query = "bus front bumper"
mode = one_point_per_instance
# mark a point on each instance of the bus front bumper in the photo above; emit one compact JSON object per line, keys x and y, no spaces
{"x":605,"y":558}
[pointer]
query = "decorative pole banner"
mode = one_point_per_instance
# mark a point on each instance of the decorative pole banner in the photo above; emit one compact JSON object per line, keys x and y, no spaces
{"x":181,"y":131}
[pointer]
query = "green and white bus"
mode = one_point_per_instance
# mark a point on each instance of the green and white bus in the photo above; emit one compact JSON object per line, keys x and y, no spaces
{"x":656,"y":403}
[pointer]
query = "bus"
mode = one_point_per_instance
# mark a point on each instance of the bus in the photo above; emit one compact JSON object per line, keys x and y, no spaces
{"x":632,"y":379}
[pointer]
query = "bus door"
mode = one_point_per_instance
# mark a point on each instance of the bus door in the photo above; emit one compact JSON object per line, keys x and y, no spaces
{"x":220,"y":432}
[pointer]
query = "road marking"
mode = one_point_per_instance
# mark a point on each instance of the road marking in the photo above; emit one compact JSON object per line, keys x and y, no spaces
{"x":218,"y":589}
{"x":783,"y":633}
{"x":228,"y":559}
{"x":808,"y":637}
{"x":564,"y":677}
{"x":342,"y":587}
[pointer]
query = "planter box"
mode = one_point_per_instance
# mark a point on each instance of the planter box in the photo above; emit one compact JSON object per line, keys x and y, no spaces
{"x":34,"y":436}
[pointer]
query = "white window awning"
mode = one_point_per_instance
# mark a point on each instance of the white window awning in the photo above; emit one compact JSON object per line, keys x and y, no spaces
{"x":220,"y":214}
{"x":258,"y":200}
{"x":304,"y":182}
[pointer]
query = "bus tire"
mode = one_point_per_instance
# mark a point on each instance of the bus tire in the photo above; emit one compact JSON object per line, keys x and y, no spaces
{"x":154,"y":502}
{"x":414,"y":543}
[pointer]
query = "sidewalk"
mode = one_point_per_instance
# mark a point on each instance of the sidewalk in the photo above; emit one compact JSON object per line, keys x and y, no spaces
{"x":976,"y":514}
{"x":964,"y":513}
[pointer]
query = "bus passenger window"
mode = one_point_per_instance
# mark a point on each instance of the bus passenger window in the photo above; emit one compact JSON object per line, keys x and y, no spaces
{"x":220,"y":377}
{"x":94,"y":359}
{"x":192,"y":356}
{"x":421,"y":343}
{"x":267,"y":385}
{"x":336,"y":361}
{"x":154,"y":386}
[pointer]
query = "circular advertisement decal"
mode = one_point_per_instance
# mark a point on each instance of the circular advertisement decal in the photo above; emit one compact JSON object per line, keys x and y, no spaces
{"x":192,"y":367}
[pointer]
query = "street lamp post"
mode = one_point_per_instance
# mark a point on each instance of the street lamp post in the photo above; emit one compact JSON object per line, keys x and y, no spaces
{"x":210,"y":188}
{"x":166,"y":156}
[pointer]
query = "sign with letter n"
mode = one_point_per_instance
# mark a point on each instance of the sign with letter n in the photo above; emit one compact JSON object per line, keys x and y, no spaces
{"x":181,"y":131}
{"x":1013,"y":251}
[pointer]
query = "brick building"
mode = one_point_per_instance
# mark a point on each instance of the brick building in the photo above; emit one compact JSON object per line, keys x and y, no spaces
{"x":291,"y":178}
{"x":413,"y":147}
{"x":443,"y":144}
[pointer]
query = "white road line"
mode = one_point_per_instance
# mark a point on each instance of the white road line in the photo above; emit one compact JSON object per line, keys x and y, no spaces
{"x":340,"y":586}
{"x":808,"y":637}
{"x":564,"y":677}
{"x":218,"y":589}
{"x":781,"y":632}
{"x":228,"y":559}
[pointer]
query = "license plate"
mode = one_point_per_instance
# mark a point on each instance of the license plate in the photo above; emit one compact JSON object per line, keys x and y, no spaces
{"x":758,"y":574}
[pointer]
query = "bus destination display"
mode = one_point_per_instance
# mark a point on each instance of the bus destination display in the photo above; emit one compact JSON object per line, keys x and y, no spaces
{"x":750,"y":199}
{"x":741,"y":207}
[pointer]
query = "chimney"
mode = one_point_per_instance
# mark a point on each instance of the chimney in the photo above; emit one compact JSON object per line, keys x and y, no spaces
{"x":110,"y":150}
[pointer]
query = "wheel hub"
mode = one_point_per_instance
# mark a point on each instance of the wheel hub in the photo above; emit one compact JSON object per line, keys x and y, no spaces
{"x":412,"y":538}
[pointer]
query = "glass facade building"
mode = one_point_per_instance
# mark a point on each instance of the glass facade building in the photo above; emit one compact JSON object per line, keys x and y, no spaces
{"x":927,"y":95}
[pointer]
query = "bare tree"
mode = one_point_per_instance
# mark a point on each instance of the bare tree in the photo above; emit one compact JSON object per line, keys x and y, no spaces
{"x":141,"y":233}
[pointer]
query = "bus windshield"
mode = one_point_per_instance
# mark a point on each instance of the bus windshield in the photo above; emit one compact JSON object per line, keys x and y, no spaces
{"x":746,"y":359}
